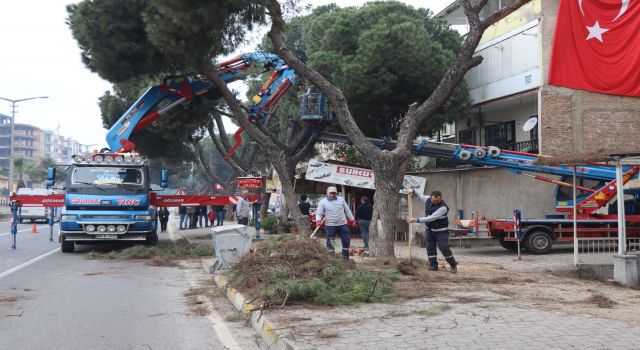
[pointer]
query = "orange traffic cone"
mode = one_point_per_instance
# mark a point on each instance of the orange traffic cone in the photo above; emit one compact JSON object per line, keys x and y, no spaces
{"x":34,"y":229}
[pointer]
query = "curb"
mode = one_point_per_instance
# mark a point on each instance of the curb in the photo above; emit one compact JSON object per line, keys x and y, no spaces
{"x":274,"y":338}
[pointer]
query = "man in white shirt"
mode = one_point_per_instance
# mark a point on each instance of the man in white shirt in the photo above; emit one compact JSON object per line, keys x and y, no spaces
{"x":335,"y":212}
{"x":437,"y":232}
{"x":243,"y":209}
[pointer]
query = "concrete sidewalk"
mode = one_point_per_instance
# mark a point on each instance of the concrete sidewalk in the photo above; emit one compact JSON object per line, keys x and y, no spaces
{"x":462,"y":317}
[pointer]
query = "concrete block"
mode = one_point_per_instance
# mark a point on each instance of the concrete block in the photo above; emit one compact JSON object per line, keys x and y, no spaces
{"x":602,"y":272}
{"x":625,"y":269}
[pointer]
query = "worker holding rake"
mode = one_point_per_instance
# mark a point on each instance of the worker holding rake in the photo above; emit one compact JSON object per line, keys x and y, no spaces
{"x":336,"y":214}
{"x":437,"y":232}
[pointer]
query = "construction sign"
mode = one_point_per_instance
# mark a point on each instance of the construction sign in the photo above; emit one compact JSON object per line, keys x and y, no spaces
{"x":180,"y":192}
{"x":250,"y":182}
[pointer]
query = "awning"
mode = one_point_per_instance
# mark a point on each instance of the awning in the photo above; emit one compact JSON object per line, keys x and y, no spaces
{"x":348,"y":175}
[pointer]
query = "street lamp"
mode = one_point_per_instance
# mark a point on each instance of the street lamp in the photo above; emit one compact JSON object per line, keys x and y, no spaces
{"x":13,"y":117}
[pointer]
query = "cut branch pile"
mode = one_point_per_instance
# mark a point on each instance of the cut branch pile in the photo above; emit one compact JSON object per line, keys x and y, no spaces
{"x":292,"y":270}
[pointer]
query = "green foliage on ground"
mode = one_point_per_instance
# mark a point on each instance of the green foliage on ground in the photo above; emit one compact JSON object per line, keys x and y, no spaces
{"x":269,"y":223}
{"x":292,"y":270}
{"x":165,"y":253}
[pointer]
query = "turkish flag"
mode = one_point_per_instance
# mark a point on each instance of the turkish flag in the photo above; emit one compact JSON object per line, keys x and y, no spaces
{"x":596,"y":46}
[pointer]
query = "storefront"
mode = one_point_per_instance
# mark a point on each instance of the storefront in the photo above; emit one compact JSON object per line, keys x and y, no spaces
{"x":353,"y":183}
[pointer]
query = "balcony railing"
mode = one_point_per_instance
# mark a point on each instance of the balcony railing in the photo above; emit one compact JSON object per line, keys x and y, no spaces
{"x":530,"y":146}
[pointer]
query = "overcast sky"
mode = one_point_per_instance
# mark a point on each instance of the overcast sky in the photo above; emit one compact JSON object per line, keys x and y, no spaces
{"x":40,"y":58}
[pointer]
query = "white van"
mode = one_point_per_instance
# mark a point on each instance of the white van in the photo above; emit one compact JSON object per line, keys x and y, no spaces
{"x":33,"y":213}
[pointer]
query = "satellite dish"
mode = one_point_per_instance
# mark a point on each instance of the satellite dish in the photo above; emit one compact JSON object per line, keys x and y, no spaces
{"x":530,"y":124}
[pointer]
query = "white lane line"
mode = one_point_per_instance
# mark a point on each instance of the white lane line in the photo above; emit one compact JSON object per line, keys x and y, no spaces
{"x":25,"y":230}
{"x":215,"y":320}
{"x":21,"y":266}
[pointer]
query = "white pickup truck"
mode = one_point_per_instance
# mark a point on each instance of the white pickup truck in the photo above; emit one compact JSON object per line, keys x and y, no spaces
{"x":33,"y":213}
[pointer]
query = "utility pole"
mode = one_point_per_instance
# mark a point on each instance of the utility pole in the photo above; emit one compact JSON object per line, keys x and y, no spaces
{"x":13,"y":117}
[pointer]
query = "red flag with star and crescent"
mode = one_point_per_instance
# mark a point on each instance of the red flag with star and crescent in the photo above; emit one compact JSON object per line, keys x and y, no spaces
{"x":597,"y":47}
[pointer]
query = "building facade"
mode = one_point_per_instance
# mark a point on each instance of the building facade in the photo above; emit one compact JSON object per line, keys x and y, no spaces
{"x":509,"y":91}
{"x":511,"y":87}
{"x":32,"y":143}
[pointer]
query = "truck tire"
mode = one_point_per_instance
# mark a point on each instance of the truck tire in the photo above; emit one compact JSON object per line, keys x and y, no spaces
{"x":508,"y":245}
{"x":152,"y":238}
{"x":66,"y":246}
{"x":538,"y":241}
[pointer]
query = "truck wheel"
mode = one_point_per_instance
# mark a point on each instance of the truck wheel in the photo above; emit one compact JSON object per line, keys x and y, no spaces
{"x":66,"y":246}
{"x":538,"y":242}
{"x":152,"y":238}
{"x":508,"y":245}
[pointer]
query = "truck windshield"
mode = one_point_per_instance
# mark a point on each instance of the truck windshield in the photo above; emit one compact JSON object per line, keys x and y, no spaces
{"x":107,"y":176}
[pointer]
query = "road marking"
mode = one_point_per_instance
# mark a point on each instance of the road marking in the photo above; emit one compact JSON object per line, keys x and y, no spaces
{"x":216,"y":321}
{"x":25,"y":230}
{"x":21,"y":266}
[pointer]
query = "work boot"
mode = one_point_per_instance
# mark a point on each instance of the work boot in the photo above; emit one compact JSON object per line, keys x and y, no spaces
{"x":433,"y":268}
{"x":454,"y":268}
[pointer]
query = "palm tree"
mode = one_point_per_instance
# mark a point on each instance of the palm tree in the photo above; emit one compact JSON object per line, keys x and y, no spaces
{"x":20,"y":165}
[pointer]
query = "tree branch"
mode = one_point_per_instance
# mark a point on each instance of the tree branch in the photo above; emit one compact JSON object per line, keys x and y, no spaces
{"x":234,"y":104}
{"x":222,"y":145}
{"x":300,"y":137}
{"x":503,"y":12}
{"x":311,"y":141}
{"x":334,"y":94}
{"x":271,"y":135}
{"x":211,"y":177}
{"x":463,"y":63}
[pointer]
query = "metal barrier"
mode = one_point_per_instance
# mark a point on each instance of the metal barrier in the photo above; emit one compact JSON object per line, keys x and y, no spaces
{"x":483,"y":227}
{"x":600,"y":251}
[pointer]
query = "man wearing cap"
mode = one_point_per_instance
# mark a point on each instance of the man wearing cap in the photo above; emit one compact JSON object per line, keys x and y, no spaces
{"x":335,"y":212}
{"x":437,"y":232}
{"x":242,"y":209}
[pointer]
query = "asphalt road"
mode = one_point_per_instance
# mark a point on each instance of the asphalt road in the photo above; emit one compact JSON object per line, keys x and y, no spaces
{"x":28,"y":245}
{"x":52,"y":300}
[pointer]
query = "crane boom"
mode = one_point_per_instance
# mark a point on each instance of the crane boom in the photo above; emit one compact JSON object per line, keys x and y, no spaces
{"x":490,"y":156}
{"x":181,"y":89}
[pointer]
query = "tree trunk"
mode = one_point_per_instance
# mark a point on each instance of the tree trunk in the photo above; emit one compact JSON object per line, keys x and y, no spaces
{"x":266,"y":197}
{"x":389,"y":175}
{"x":388,"y":178}
{"x":286,"y":172}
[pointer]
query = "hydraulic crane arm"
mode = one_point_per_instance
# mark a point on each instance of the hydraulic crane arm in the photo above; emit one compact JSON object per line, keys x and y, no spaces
{"x":489,"y":156}
{"x":181,"y":89}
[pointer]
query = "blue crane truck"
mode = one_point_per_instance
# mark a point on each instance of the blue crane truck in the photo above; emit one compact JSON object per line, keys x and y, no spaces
{"x":107,"y":198}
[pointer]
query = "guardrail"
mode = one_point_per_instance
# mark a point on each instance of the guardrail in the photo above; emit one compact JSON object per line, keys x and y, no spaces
{"x":600,"y":251}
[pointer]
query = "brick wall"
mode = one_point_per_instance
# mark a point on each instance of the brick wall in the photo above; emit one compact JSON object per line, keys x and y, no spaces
{"x":574,"y":121}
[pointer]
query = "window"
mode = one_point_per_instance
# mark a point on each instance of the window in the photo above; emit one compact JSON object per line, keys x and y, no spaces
{"x":565,"y":193}
{"x":533,"y":133}
{"x":501,"y":134}
{"x":467,"y":136}
{"x":107,"y":176}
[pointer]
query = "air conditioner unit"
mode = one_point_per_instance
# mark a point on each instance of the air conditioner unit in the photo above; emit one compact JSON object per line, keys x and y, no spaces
{"x":474,"y":120}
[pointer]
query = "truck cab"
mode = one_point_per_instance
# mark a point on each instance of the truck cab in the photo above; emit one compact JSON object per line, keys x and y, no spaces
{"x":107,"y":199}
